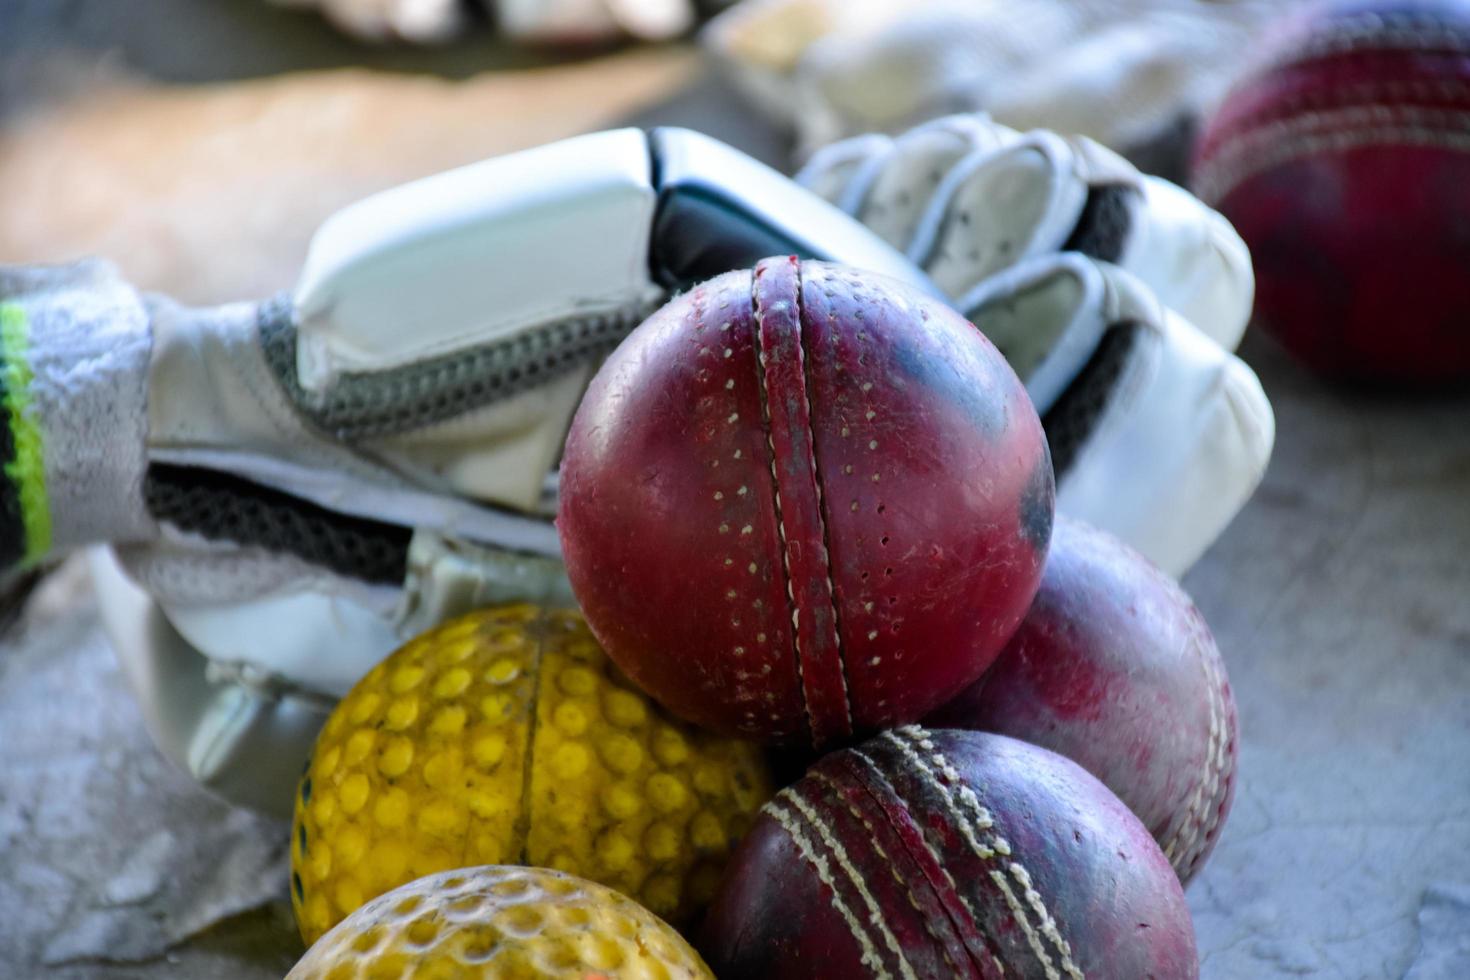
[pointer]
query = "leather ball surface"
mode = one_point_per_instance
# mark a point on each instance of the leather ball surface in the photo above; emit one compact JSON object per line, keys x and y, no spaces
{"x":496,"y":923}
{"x":1344,"y":163}
{"x":948,"y":854}
{"x":803,"y":502}
{"x":506,"y":737}
{"x":1114,"y":668}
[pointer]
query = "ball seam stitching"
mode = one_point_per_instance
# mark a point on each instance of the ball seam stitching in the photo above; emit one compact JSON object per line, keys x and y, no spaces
{"x":875,"y":774}
{"x":904,"y":883}
{"x":763,"y":390}
{"x":987,"y":850}
{"x":788,"y":823}
{"x":806,"y":394}
{"x":765,"y":397}
{"x":1192,"y":836}
{"x":1291,"y":140}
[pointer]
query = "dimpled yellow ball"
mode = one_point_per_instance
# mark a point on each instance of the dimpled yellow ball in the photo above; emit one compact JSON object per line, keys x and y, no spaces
{"x":504,"y":923}
{"x":507,"y":737}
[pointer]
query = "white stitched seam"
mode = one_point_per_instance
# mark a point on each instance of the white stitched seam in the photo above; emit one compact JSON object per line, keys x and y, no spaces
{"x":1371,"y":33}
{"x":765,"y":396}
{"x":1180,"y":846}
{"x":875,"y":913}
{"x":1287,"y":140}
{"x":982,"y":850}
{"x":870,"y":952}
{"x":822,"y":519}
{"x":1407,"y":92}
{"x":877,"y":774}
{"x":1018,"y":871}
{"x":1366,"y":33}
{"x":902,"y":882}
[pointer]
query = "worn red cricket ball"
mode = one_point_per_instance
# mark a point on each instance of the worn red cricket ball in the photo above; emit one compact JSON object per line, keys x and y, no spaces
{"x":1114,"y":668}
{"x":948,"y":854}
{"x":1344,"y":163}
{"x":803,"y":502}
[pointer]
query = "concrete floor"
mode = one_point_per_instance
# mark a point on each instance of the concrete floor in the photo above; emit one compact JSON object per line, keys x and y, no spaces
{"x":1340,"y":597}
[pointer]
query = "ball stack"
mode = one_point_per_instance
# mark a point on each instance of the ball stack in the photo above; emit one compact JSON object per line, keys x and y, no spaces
{"x":805,"y":505}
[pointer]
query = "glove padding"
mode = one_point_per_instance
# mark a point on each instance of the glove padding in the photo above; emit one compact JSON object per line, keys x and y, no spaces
{"x":1157,"y":434}
{"x":933,"y":194}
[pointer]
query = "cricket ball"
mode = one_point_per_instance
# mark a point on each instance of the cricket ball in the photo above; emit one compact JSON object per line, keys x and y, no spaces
{"x":1344,"y":162}
{"x":1114,"y":668}
{"x":506,"y":737}
{"x":803,"y":502}
{"x":948,"y":854}
{"x":501,"y":922}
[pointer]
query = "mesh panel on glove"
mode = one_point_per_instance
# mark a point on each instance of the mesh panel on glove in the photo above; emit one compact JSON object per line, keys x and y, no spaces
{"x":383,"y":403}
{"x":222,"y":507}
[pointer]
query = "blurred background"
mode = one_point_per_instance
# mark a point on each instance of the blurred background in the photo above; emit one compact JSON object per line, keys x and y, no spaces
{"x":198,"y":143}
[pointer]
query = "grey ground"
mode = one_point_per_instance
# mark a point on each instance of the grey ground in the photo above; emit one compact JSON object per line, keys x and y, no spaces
{"x":1340,"y":597}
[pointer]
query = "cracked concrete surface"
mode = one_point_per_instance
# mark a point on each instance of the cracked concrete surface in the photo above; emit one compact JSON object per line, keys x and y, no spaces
{"x":1339,"y":598}
{"x":109,"y":858}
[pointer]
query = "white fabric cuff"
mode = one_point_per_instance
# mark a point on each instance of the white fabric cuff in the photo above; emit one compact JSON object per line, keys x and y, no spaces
{"x":76,"y":347}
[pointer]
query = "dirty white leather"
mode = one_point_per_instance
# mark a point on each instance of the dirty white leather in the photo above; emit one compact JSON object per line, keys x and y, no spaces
{"x":1162,"y":444}
{"x":949,"y":177}
{"x":531,"y":21}
{"x":1125,"y":72}
{"x":531,"y":237}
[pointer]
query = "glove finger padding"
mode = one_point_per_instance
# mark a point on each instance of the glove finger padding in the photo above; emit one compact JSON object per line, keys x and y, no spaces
{"x":887,"y":184}
{"x":1011,"y":196}
{"x":1157,"y":434}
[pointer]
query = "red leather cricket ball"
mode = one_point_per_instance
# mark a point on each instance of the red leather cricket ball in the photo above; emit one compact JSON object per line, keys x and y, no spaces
{"x":1344,"y":163}
{"x":1114,"y":668}
{"x":948,"y":854}
{"x":803,"y":502}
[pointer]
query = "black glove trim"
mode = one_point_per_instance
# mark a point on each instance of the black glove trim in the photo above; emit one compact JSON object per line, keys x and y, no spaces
{"x":1070,"y":423}
{"x":1105,"y":223}
{"x":224,"y":507}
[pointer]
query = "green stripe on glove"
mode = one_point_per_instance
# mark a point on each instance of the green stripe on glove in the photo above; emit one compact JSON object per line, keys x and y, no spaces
{"x":26,"y":538}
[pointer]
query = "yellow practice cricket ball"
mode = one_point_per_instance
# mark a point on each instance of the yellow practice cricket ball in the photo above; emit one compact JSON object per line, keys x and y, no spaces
{"x":501,"y":922}
{"x":507,"y":737}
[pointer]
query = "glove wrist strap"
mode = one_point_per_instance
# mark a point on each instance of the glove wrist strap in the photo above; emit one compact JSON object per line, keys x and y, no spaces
{"x":74,"y":349}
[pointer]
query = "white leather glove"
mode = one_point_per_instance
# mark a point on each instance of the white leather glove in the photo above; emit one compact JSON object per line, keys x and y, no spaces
{"x":1126,"y":72}
{"x":536,"y":21}
{"x":932,"y":193}
{"x":295,"y":487}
